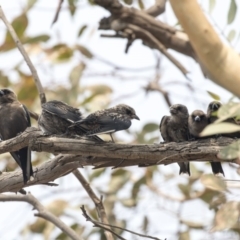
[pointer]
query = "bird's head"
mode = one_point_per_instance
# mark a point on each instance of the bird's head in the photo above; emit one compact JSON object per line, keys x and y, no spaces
{"x":7,"y":96}
{"x":198,"y":116}
{"x":127,"y":111}
{"x":179,"y":110}
{"x":214,"y":106}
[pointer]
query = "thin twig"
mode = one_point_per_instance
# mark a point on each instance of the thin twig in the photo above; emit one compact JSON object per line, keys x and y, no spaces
{"x":98,"y":202}
{"x":42,"y":212}
{"x":88,"y":218}
{"x":25,"y":56}
{"x":33,"y":115}
{"x":159,"y":46}
{"x":57,"y":11}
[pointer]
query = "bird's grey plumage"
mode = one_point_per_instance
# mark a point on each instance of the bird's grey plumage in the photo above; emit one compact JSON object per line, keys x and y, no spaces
{"x":108,"y":120}
{"x":57,"y":116}
{"x":197,"y":121}
{"x":174,"y":128}
{"x":14,"y":119}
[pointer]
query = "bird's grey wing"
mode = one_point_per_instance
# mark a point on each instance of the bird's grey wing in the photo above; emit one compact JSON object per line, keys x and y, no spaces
{"x":62,"y":110}
{"x":110,"y":124}
{"x":164,"y":128}
{"x":27,"y":116}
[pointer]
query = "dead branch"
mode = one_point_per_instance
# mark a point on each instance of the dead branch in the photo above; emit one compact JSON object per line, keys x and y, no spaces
{"x":157,"y":9}
{"x":101,"y":225}
{"x":42,"y":212}
{"x":98,"y":202}
{"x":78,"y":153}
{"x":25,"y":56}
{"x":167,"y":35}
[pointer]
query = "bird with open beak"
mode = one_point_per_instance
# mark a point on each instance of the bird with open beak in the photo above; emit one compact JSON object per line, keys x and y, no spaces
{"x":197,"y":121}
{"x":14,"y":119}
{"x":174,"y":128}
{"x":108,"y":121}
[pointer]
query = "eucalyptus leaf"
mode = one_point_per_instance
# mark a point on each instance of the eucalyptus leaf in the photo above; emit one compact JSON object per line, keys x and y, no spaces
{"x":219,"y":128}
{"x":232,"y":12}
{"x":227,"y":217}
{"x":212,"y":182}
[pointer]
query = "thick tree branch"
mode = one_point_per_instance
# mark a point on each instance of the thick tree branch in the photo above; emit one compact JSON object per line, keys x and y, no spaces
{"x":167,"y":35}
{"x":78,"y":153}
{"x":221,"y":62}
{"x":42,"y":212}
{"x":98,"y":202}
{"x":25,"y":56}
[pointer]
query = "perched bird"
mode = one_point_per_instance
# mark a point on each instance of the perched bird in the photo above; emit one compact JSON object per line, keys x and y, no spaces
{"x":212,"y":111}
{"x":197,"y":121}
{"x":108,"y":121}
{"x":212,"y":117}
{"x":174,"y":128}
{"x":57,"y":116}
{"x":14,"y":119}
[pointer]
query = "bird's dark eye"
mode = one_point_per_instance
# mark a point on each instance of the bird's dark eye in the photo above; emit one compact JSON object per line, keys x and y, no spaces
{"x":128,"y":112}
{"x":179,"y":108}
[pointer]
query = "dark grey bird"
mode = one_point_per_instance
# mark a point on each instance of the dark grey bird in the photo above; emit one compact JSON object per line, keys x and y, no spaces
{"x":197,"y":121}
{"x":14,"y":119}
{"x":57,"y":116}
{"x":108,"y":121}
{"x":212,"y":117}
{"x":174,"y":128}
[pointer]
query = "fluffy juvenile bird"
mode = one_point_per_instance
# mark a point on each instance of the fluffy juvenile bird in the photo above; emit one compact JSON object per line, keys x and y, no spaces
{"x":174,"y":128}
{"x":14,"y":119}
{"x":57,"y":116}
{"x":108,"y":121}
{"x":212,"y":117}
{"x":197,"y":121}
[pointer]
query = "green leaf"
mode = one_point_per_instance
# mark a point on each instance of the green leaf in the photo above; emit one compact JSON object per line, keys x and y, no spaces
{"x":214,"y":96}
{"x":129,"y":2}
{"x":19,"y":24}
{"x":231,"y":35}
{"x":219,"y":128}
{"x":229,"y":110}
{"x":84,"y":51}
{"x":72,"y":6}
{"x":75,"y":74}
{"x":136,"y":186}
{"x":231,"y":151}
{"x":212,"y":4}
{"x":227,"y":216}
{"x":36,"y":39}
{"x":193,"y":224}
{"x":150,"y":127}
{"x":81,"y":30}
{"x":212,"y":182}
{"x":232,"y":11}
{"x":96,"y":173}
{"x":141,"y":5}
{"x":30,"y":4}
{"x":119,"y":178}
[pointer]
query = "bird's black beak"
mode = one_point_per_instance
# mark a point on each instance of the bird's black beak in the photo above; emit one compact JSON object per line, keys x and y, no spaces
{"x":1,"y":93}
{"x":135,"y":117}
{"x":197,"y":119}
